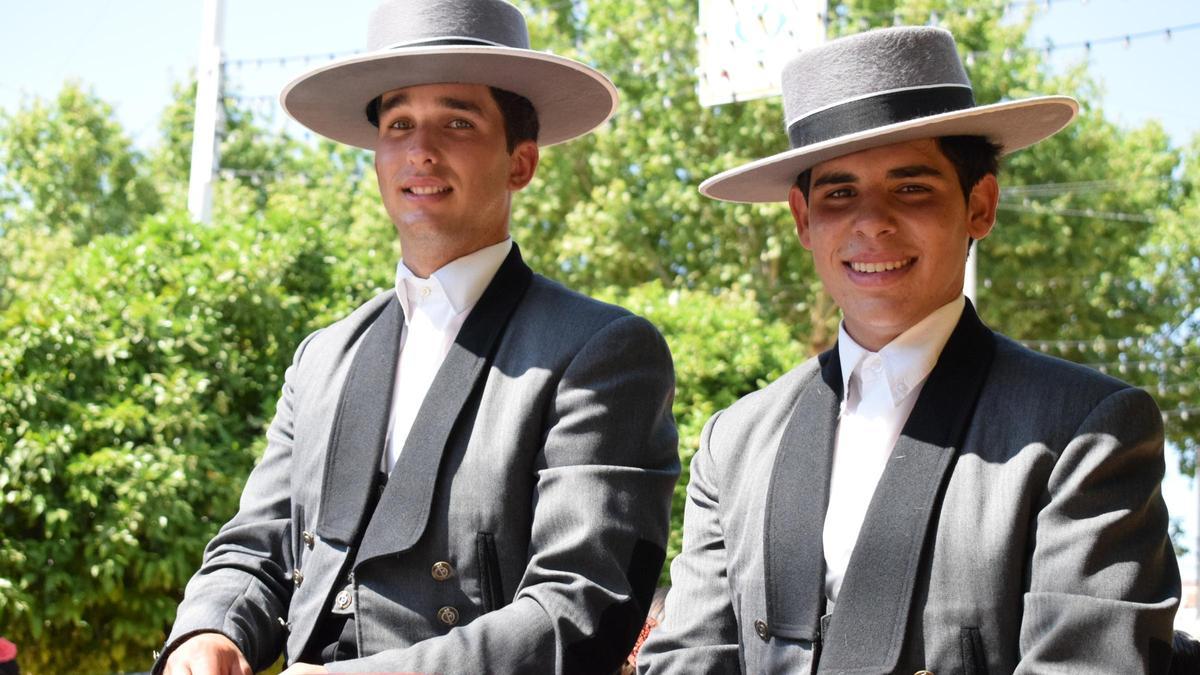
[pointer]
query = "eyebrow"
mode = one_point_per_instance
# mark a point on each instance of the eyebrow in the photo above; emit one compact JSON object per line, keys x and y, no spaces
{"x":914,"y":171}
{"x":450,"y":102}
{"x":834,"y":178}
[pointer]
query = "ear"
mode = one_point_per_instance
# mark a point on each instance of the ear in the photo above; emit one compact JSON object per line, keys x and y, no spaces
{"x":981,"y":207}
{"x":522,"y":164}
{"x":799,"y":207}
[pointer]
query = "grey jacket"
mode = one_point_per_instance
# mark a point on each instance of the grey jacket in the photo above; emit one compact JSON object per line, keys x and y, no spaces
{"x":523,"y":527}
{"x":1018,"y":527}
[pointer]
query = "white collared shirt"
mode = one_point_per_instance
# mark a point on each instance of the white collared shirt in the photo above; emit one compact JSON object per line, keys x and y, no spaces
{"x":881,"y":389}
{"x":434,"y":311}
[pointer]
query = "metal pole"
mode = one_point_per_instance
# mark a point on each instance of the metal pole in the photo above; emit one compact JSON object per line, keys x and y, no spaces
{"x":208,"y":115}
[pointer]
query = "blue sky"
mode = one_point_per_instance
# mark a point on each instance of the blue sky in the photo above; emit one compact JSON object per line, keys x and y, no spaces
{"x":130,"y":52}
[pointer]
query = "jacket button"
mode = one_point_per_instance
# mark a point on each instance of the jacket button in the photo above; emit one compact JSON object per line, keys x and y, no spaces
{"x":448,"y":616}
{"x":760,"y":627}
{"x":297,"y":578}
{"x":441,"y":571}
{"x":343,"y":599}
{"x":309,"y":539}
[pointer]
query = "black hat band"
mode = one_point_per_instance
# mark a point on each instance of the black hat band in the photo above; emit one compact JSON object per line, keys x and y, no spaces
{"x":879,"y":111}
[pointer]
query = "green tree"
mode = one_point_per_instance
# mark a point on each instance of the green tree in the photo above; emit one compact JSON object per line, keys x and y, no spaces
{"x":68,"y":165}
{"x":134,"y":392}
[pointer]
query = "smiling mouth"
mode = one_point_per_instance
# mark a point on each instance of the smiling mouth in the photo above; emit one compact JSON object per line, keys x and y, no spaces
{"x":419,"y":190}
{"x":877,"y":267}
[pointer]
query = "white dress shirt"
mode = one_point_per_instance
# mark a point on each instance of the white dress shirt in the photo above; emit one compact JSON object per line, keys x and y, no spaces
{"x":434,"y":311}
{"x":880,"y":391}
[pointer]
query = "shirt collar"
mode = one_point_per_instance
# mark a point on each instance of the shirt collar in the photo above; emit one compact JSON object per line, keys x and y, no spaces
{"x":462,"y":280}
{"x":910,"y":357}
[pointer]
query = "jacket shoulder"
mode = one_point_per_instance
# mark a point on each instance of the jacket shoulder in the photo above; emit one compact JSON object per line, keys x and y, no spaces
{"x":1018,"y":366}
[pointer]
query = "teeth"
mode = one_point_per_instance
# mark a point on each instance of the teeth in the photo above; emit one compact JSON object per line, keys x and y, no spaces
{"x":427,"y":190}
{"x":873,"y":268}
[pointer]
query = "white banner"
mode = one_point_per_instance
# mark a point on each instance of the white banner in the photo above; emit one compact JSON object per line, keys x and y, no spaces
{"x":743,"y":45}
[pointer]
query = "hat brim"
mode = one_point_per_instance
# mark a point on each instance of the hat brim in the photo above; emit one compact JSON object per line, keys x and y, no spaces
{"x":1012,"y":125}
{"x":570,"y":98}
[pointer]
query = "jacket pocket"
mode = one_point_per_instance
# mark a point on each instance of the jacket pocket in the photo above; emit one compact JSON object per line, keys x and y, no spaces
{"x":489,"y":571}
{"x":971,"y":649}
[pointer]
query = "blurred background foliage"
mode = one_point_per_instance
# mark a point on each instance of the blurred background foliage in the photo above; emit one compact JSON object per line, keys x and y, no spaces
{"x":141,"y":354}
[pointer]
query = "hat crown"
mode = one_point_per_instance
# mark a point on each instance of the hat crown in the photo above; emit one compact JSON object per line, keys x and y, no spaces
{"x":414,"y":23}
{"x":869,"y":64}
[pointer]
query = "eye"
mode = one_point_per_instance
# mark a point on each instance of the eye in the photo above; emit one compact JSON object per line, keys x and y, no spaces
{"x":460,"y":123}
{"x":400,"y":123}
{"x":913,"y":188}
{"x":840,"y":193}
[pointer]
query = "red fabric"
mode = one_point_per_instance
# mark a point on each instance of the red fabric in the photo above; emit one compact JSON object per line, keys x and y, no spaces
{"x":8,"y":651}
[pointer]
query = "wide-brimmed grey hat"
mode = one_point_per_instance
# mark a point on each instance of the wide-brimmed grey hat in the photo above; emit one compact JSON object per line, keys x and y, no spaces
{"x":412,"y":42}
{"x":876,"y":88}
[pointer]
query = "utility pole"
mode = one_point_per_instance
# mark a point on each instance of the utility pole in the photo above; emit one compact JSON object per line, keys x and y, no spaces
{"x":208,"y":115}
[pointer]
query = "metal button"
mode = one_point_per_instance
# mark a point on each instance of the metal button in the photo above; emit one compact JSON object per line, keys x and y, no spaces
{"x":760,"y":627}
{"x":297,"y":577}
{"x":441,"y":571}
{"x":309,"y":539}
{"x":343,"y":599}
{"x":448,"y":616}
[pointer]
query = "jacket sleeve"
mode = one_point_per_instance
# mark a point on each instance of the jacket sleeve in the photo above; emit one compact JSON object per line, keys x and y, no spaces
{"x":699,"y":633}
{"x":1104,"y":584}
{"x":243,"y":586}
{"x":605,"y":475}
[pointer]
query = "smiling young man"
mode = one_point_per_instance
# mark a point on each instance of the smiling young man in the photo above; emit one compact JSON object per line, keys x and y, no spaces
{"x":928,"y":496}
{"x":472,"y":472}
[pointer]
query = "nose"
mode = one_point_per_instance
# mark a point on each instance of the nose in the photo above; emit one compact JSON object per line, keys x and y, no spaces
{"x":874,"y":218}
{"x":421,"y":147}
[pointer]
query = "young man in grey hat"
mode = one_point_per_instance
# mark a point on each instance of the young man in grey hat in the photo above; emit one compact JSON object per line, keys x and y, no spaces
{"x":472,"y":472}
{"x":927,"y":496}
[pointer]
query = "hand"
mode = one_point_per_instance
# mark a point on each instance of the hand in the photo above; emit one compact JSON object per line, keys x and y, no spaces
{"x":304,"y":669}
{"x":207,"y":654}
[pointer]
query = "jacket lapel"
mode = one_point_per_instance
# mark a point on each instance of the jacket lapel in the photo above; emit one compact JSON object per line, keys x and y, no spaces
{"x":360,"y":427}
{"x":403,"y":510}
{"x":869,"y":625}
{"x":796,"y":502}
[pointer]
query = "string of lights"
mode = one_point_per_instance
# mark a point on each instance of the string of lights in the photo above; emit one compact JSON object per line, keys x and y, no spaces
{"x":1182,"y":413}
{"x":1100,"y":343}
{"x":1002,"y":6}
{"x":1081,"y":187}
{"x":1040,"y":209}
{"x":286,"y":61}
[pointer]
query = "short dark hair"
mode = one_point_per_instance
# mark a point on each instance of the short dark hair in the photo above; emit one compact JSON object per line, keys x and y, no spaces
{"x":973,"y":158}
{"x":520,"y":117}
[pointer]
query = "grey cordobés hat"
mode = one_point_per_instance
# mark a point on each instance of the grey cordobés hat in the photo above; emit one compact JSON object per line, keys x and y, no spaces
{"x":413,"y":42}
{"x":876,"y":88}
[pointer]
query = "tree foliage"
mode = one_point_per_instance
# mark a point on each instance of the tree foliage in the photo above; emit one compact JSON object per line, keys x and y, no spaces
{"x":69,"y":165}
